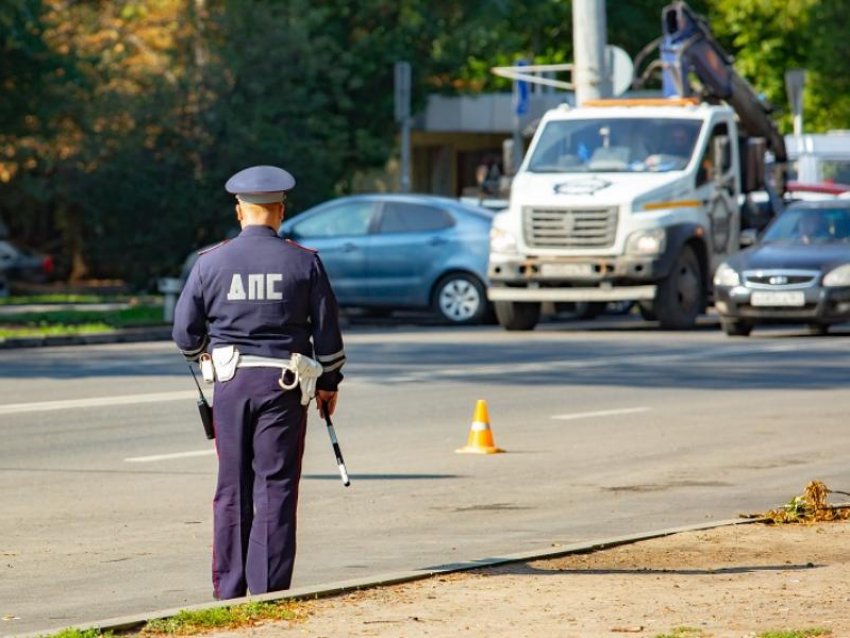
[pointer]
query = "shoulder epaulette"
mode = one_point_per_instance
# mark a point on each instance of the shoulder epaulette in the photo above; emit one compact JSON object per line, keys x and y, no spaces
{"x":297,"y":245}
{"x":211,"y":248}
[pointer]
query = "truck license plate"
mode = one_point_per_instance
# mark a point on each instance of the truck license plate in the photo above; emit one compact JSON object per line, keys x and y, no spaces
{"x":795,"y":299}
{"x":566,"y":270}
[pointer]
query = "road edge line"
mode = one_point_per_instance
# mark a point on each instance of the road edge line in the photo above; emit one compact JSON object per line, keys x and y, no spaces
{"x":328,"y":590}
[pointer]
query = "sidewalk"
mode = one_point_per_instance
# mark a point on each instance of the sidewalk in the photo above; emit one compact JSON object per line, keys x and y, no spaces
{"x":728,"y":582}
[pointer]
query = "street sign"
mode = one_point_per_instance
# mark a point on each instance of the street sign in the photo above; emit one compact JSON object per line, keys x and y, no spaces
{"x":402,"y":91}
{"x":521,"y":93}
{"x":795,"y":79}
{"x":621,"y":69}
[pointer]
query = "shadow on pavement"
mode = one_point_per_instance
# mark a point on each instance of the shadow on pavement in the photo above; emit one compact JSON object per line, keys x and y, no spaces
{"x":382,"y":477}
{"x":489,"y":356}
{"x":525,"y":569}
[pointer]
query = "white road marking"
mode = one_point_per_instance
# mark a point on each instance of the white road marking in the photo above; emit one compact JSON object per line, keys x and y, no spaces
{"x":97,"y":402}
{"x":588,"y":415}
{"x":167,"y":457}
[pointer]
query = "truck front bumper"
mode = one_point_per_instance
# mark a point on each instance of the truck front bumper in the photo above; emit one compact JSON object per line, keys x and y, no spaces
{"x":522,"y":269}
{"x":578,"y":293}
{"x":616,"y":278}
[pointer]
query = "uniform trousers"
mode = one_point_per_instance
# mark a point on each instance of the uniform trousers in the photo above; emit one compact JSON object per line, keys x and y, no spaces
{"x":260,"y":432}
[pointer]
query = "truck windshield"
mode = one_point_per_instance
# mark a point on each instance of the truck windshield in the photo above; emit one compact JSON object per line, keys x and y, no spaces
{"x":615,"y":145}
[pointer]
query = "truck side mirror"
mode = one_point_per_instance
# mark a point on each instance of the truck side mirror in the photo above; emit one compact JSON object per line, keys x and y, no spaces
{"x":749,"y":237}
{"x":721,"y":152}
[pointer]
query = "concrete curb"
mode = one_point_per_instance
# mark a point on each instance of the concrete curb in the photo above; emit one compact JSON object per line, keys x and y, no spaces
{"x":130,"y":623}
{"x":130,"y":335}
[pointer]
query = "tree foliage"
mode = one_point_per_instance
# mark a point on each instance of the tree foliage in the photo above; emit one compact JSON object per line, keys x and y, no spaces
{"x":122,"y":119}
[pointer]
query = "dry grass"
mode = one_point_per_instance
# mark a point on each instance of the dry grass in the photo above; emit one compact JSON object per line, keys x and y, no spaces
{"x":811,"y":507}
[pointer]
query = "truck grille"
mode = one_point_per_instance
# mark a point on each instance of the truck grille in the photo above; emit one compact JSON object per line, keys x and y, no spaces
{"x":570,"y":227}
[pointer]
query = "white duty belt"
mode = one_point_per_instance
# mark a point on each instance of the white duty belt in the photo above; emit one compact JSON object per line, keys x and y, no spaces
{"x":305,"y":371}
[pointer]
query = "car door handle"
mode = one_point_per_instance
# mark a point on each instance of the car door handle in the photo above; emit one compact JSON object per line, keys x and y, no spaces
{"x":438,"y":241}
{"x":348,"y":247}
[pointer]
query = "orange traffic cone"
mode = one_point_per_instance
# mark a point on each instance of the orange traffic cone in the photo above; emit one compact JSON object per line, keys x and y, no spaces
{"x":480,"y":436}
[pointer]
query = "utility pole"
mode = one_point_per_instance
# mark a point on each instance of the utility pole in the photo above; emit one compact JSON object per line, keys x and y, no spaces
{"x":795,"y":80}
{"x":589,"y":39}
{"x":520,"y":111}
{"x":402,"y":116}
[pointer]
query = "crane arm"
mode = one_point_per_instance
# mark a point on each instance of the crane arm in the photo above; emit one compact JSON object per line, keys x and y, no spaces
{"x":689,"y":46}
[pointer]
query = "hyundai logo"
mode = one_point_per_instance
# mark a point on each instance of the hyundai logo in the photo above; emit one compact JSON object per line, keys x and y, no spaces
{"x":778,"y":280}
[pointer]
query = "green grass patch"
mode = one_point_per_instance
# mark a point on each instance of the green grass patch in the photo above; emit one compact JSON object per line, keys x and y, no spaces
{"x":797,"y":633}
{"x":16,"y":300}
{"x":78,"y":321}
{"x":683,"y":632}
{"x":58,"y":330}
{"x":195,"y":622}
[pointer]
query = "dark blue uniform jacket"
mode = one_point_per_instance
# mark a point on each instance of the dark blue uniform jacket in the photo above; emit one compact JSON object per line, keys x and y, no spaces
{"x":265,"y":296}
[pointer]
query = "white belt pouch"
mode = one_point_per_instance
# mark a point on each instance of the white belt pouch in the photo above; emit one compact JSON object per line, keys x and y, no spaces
{"x":225,"y":360}
{"x":305,"y":371}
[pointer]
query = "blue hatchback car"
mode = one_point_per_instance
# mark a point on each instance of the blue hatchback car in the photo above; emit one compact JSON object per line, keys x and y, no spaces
{"x":401,"y":251}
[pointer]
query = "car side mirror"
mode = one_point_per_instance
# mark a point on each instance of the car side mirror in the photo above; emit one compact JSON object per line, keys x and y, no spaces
{"x":749,"y":237}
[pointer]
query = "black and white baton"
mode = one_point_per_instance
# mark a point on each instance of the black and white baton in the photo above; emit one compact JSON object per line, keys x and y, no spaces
{"x":337,"y":452}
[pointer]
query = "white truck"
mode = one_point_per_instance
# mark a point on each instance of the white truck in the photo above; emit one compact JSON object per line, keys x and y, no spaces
{"x":635,"y":200}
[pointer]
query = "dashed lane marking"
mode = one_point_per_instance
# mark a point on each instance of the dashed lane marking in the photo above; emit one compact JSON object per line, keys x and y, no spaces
{"x":97,"y":402}
{"x":590,"y":415}
{"x":168,"y":457}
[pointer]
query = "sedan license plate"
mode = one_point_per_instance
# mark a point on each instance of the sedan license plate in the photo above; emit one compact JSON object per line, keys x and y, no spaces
{"x":566,"y":270}
{"x":794,"y":299}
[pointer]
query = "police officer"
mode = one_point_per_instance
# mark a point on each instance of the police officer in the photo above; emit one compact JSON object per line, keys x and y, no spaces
{"x":259,"y":299}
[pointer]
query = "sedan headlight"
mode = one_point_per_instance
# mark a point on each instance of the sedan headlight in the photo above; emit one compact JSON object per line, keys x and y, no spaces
{"x":647,"y":242}
{"x":502,"y":241}
{"x":727,"y":276}
{"x":838,"y":277}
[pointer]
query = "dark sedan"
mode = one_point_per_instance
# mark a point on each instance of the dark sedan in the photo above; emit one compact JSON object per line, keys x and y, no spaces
{"x":20,"y":264}
{"x":799,"y":272}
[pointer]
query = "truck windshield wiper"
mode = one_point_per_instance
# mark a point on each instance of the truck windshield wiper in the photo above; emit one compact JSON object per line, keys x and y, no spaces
{"x":551,"y":168}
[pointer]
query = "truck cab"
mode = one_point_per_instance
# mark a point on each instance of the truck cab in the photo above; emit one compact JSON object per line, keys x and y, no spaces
{"x":619,"y":200}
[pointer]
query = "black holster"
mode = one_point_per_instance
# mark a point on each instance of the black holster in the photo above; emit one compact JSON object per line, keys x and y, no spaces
{"x":206,"y":413}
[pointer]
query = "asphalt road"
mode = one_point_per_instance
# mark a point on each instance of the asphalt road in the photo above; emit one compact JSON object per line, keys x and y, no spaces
{"x":106,"y":480}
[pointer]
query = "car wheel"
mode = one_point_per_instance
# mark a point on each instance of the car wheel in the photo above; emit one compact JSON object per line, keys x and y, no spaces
{"x":517,"y":315}
{"x":736,"y":327}
{"x":680,"y":297}
{"x":818,"y":328}
{"x":460,"y":299}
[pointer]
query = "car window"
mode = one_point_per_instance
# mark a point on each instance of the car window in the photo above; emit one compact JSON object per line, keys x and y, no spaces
{"x":7,"y":252}
{"x":399,"y":217}
{"x":810,"y":225}
{"x":342,"y":220}
{"x":836,"y":171}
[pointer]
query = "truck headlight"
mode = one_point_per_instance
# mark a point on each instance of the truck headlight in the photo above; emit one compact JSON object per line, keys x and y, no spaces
{"x":502,"y":241}
{"x":647,"y":242}
{"x":726,"y":276}
{"x":838,"y":277}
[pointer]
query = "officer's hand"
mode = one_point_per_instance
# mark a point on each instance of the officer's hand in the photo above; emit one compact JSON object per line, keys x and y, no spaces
{"x":325,"y":397}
